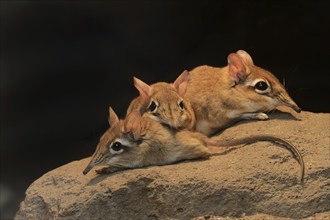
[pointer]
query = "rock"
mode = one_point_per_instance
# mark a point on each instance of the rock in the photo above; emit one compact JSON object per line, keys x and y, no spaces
{"x":257,"y":181}
{"x":318,"y":216}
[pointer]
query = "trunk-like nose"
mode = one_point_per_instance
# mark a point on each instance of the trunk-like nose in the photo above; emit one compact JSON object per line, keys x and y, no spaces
{"x":287,"y":101}
{"x":296,"y":108}
{"x":87,"y":169}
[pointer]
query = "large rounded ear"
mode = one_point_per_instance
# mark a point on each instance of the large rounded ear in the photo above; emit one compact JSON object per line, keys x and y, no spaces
{"x":113,"y":118}
{"x":134,"y":125}
{"x":180,"y":84}
{"x":247,"y":59}
{"x":237,"y":69}
{"x":144,"y":89}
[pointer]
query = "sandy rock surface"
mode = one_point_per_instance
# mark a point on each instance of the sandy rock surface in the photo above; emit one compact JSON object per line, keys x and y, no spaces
{"x":258,"y":181}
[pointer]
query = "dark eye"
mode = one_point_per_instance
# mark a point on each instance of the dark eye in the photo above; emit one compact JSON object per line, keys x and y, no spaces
{"x":181,"y":105}
{"x":152,"y":107}
{"x":261,"y":85}
{"x":117,"y":146}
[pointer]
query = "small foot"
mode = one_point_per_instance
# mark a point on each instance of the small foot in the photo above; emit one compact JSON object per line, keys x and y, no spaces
{"x":258,"y":116}
{"x":262,"y":116}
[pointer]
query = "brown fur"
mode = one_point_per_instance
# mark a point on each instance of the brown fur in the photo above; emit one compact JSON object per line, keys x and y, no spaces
{"x":146,"y":142}
{"x":167,"y":96}
{"x":221,"y":96}
{"x":150,"y":143}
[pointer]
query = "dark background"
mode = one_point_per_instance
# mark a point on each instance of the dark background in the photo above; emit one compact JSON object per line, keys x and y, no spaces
{"x":63,"y":63}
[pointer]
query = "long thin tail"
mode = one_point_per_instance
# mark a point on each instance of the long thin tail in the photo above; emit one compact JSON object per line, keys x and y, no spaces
{"x":256,"y":138}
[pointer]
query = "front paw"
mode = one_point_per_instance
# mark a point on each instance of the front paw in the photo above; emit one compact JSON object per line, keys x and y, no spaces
{"x":258,"y":116}
{"x":262,"y":116}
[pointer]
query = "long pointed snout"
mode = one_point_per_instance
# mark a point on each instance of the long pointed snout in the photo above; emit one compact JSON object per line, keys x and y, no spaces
{"x":287,"y":101}
{"x":93,"y":162}
{"x":295,"y":107}
{"x":87,"y":169}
